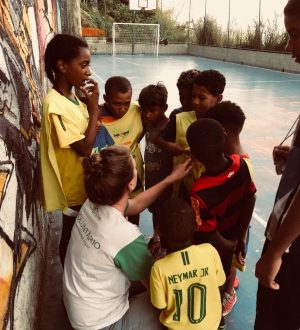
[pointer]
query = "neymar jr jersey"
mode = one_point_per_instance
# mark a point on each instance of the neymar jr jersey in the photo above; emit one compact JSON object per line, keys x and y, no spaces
{"x":185,"y":285}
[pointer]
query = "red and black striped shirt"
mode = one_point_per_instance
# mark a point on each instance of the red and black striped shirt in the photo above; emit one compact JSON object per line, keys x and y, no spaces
{"x":217,"y":199}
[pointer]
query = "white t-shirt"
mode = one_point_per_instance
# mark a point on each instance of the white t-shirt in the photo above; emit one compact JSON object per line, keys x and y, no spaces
{"x":104,"y":253}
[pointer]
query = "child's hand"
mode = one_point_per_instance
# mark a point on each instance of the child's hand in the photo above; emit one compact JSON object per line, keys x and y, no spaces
{"x":91,"y":92}
{"x":240,"y":251}
{"x":280,"y":154}
{"x":175,"y":149}
{"x":181,"y":170}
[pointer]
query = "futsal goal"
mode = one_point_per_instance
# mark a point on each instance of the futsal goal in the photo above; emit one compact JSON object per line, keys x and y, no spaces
{"x":135,"y":38}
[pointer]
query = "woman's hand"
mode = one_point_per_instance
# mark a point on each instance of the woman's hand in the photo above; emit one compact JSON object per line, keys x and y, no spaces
{"x":180,"y":171}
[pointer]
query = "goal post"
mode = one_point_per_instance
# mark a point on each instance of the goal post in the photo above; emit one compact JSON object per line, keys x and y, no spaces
{"x":135,"y":38}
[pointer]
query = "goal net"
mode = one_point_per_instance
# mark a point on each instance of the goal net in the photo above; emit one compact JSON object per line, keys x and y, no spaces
{"x":135,"y":38}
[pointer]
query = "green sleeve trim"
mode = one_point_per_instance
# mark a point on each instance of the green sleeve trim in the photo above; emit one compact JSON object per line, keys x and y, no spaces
{"x":135,"y":260}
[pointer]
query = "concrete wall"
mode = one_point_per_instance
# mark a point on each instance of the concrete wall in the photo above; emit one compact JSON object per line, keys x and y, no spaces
{"x":25,"y":28}
{"x":268,"y":60}
{"x":99,"y":46}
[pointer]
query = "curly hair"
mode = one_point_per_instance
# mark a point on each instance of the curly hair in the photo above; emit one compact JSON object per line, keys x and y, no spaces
{"x":117,"y":84}
{"x":153,"y":95}
{"x":177,"y":224}
{"x":229,"y":115}
{"x":206,"y":139}
{"x":186,"y":78}
{"x":107,"y":174}
{"x":212,"y":80}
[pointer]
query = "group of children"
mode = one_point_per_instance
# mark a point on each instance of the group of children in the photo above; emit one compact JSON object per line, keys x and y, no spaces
{"x":219,"y":188}
{"x":201,"y":222}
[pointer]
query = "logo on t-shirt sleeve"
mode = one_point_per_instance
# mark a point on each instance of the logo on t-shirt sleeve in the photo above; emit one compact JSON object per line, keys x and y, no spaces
{"x":61,"y":123}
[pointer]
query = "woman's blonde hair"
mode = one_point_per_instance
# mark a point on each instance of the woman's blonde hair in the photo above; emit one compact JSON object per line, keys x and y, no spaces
{"x":107,"y":174}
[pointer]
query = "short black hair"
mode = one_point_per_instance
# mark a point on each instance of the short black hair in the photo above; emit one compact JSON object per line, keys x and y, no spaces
{"x":212,"y":80}
{"x":186,"y":78}
{"x":153,"y":95}
{"x":177,"y":221}
{"x":292,"y":8}
{"x":117,"y":84}
{"x":206,"y":138}
{"x":61,"y":47}
{"x":229,"y":115}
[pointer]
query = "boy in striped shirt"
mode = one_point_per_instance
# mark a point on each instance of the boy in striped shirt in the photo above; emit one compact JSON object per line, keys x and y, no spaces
{"x":223,"y":197}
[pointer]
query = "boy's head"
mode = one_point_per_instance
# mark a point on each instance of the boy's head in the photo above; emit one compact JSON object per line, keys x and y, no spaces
{"x":118,"y":92}
{"x":185,"y":86}
{"x":208,"y":88}
{"x":229,"y":115}
{"x":177,"y":224}
{"x":206,"y":138}
{"x":153,"y":102}
{"x":292,"y":25}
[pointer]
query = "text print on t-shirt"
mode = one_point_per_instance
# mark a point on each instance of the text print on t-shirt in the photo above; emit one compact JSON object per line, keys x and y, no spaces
{"x":85,"y":233}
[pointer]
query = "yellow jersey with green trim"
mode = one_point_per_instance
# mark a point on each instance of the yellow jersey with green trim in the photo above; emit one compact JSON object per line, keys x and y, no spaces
{"x":185,"y":286}
{"x":183,"y":121}
{"x":126,"y":132}
{"x":63,"y":123}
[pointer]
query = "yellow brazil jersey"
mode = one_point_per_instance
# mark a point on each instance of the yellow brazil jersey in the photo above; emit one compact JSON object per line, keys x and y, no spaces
{"x":127,"y":131}
{"x":185,"y":286}
{"x":183,"y":121}
{"x":63,"y":123}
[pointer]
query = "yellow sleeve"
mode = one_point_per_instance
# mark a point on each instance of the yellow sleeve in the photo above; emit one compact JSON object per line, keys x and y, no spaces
{"x":157,"y":292}
{"x":221,"y":277}
{"x":67,"y":132}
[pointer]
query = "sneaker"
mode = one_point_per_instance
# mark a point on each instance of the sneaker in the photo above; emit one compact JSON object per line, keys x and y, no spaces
{"x":228,"y":301}
{"x":222,"y":324}
{"x":236,"y":283}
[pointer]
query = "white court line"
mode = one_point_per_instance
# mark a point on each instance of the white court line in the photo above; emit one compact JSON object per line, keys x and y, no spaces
{"x":95,"y":74}
{"x":259,"y":219}
{"x":130,"y":62}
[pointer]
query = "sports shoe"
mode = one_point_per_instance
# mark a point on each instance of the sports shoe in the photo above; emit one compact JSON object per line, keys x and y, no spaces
{"x":236,"y":282}
{"x":228,"y":301}
{"x":222,"y":324}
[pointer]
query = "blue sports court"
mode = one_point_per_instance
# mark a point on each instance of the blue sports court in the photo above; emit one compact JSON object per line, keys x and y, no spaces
{"x":270,"y":100}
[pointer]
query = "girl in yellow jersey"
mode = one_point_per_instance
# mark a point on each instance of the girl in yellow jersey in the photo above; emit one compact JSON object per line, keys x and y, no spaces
{"x":68,"y":129}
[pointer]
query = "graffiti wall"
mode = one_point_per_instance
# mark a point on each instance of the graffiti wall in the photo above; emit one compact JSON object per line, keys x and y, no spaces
{"x":25,"y":28}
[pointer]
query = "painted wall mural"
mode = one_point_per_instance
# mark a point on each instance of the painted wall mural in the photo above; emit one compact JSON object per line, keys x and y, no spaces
{"x":25,"y":28}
